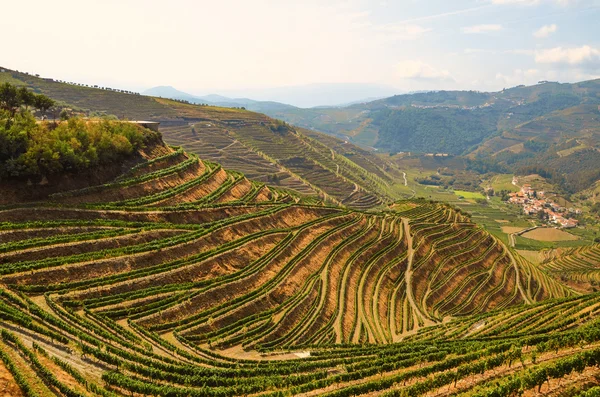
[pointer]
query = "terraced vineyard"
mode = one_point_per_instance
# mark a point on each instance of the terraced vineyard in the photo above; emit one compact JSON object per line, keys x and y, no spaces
{"x":175,"y":179}
{"x":181,"y":278}
{"x":579,"y":266}
{"x":287,"y":157}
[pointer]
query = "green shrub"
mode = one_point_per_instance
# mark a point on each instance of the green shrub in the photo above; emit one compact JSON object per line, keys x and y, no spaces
{"x":28,"y":148}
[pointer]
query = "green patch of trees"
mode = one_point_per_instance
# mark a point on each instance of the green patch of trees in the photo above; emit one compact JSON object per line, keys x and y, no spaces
{"x":546,"y":103}
{"x":440,"y":130}
{"x":12,"y":99}
{"x":29,"y":148}
{"x":536,"y":146}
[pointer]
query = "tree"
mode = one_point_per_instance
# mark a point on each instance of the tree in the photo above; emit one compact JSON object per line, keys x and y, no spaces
{"x":64,"y":115}
{"x":9,"y":98}
{"x":26,"y":97}
{"x":43,"y":103}
{"x":12,"y":98}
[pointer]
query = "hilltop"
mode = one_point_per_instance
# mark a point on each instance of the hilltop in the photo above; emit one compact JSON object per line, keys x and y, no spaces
{"x":265,"y":149}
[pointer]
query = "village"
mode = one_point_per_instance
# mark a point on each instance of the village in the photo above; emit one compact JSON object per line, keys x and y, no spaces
{"x":534,"y":202}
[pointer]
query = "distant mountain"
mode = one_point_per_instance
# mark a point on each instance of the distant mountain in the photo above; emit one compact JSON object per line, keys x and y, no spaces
{"x":217,"y":100}
{"x":280,"y":98}
{"x":357,"y":102}
{"x":318,"y":95}
{"x":165,"y":91}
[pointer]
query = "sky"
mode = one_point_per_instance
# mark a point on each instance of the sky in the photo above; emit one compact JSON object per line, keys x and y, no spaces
{"x":258,"y":48}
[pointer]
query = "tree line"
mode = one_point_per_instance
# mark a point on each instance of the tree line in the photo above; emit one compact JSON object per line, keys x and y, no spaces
{"x":13,"y":98}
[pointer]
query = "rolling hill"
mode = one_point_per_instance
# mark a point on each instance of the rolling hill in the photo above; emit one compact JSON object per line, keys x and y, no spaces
{"x":516,"y":129}
{"x":179,"y":278}
{"x":262,"y":148}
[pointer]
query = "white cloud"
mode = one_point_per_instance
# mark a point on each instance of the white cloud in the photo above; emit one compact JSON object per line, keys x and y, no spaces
{"x":419,"y":70}
{"x":481,"y":28}
{"x":584,"y":55}
{"x":469,"y":51}
{"x":545,"y":31}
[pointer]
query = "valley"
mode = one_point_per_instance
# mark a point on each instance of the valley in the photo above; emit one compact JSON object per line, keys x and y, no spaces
{"x":300,"y":198}
{"x":233,"y":254}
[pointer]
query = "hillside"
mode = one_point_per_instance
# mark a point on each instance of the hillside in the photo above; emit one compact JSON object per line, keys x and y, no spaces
{"x":513,"y":130}
{"x":262,"y":148}
{"x":173,"y":276}
{"x":505,"y":109}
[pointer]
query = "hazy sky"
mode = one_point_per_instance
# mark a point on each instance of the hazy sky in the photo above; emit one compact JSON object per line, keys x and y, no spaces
{"x":245,"y":46}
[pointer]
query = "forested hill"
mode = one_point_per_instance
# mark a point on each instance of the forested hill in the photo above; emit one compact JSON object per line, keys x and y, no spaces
{"x":550,"y":129}
{"x":454,"y":122}
{"x":459,"y":122}
{"x":514,"y":130}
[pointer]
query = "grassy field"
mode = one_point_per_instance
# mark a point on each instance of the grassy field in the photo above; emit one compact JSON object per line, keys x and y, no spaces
{"x":512,"y":229}
{"x":549,"y":234}
{"x":502,"y":182}
{"x":534,"y":257}
{"x":469,"y":195}
{"x":524,"y":243}
{"x":499,"y":218}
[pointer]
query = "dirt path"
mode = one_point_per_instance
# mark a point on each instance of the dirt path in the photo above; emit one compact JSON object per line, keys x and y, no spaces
{"x":414,"y":193}
{"x":514,"y":181}
{"x":511,"y":240}
{"x":337,"y":170}
{"x":230,"y":145}
{"x":419,"y":316}
{"x":238,"y":352}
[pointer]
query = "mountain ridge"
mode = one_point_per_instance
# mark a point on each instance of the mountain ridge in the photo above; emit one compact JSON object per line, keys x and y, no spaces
{"x":216,"y":100}
{"x":513,"y":129}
